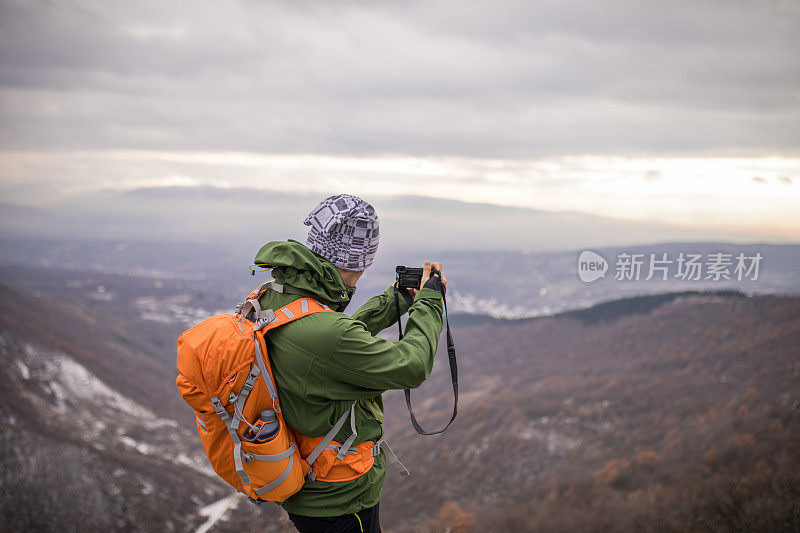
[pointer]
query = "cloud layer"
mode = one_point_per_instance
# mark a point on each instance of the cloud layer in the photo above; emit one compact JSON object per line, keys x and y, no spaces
{"x":509,"y":79}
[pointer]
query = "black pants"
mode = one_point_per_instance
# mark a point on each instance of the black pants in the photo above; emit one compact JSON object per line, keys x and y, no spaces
{"x":365,"y":520}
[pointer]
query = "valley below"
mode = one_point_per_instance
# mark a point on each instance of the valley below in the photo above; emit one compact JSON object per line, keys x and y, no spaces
{"x":656,"y":412}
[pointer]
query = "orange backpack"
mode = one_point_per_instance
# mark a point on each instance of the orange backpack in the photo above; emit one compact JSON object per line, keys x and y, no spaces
{"x":224,"y":374}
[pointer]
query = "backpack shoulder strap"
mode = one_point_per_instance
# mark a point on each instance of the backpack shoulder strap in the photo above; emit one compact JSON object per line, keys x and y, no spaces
{"x":264,"y":287}
{"x":251,"y":305}
{"x":291,"y":312}
{"x":269,"y":319}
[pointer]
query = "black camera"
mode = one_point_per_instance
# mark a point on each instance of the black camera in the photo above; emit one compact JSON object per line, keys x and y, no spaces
{"x":411,"y":277}
{"x":408,"y":277}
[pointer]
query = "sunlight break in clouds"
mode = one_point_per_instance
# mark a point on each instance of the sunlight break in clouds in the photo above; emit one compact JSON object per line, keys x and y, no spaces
{"x":753,"y":195}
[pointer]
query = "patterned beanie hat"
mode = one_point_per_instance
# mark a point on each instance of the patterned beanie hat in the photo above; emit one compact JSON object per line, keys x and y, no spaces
{"x":344,"y":230}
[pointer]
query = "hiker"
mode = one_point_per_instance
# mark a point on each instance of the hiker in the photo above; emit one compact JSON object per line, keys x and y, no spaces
{"x":326,"y":361}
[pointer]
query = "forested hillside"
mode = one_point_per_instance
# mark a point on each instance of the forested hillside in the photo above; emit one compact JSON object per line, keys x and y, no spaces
{"x":679,"y":417}
{"x":673,"y":412}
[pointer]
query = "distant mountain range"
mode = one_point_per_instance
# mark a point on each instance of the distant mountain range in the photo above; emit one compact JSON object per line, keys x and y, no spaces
{"x":244,"y":218}
{"x":501,"y":261}
{"x":496,"y":283}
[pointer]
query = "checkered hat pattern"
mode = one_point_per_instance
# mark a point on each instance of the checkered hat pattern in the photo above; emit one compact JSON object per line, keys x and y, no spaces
{"x":344,"y":230}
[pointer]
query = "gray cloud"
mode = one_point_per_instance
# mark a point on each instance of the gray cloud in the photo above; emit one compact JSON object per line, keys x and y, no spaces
{"x":499,"y":79}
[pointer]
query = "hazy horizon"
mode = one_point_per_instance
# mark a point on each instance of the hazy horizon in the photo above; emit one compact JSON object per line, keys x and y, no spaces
{"x":246,"y":218}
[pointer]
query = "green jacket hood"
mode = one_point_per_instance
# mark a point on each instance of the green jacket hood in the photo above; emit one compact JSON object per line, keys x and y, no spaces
{"x":305,"y":272}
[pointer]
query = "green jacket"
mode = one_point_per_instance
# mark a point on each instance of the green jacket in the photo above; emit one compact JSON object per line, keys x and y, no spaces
{"x":325,"y":361}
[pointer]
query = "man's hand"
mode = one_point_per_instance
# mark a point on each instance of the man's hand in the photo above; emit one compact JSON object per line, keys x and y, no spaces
{"x":426,"y":273}
{"x":407,"y":294}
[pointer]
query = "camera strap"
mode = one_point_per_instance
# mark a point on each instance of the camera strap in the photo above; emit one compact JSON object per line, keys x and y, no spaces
{"x":451,"y":356}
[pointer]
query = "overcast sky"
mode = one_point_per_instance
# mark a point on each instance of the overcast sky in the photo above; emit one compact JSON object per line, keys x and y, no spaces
{"x":687,"y":112}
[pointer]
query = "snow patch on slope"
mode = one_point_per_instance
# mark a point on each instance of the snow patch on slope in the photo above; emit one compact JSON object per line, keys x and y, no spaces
{"x":173,"y":309}
{"x":218,"y":510}
{"x":72,"y":382}
{"x":92,"y":407}
{"x":471,"y":304}
{"x":24,"y":371}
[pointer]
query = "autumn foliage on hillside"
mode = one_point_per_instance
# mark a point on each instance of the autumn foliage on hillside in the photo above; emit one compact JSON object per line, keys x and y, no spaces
{"x":663,"y":413}
{"x":683,"y":417}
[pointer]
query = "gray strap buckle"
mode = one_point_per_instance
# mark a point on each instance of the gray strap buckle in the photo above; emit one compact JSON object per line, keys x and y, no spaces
{"x":267,"y":317}
{"x":277,"y":287}
{"x":218,"y":408}
{"x":339,"y":449}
